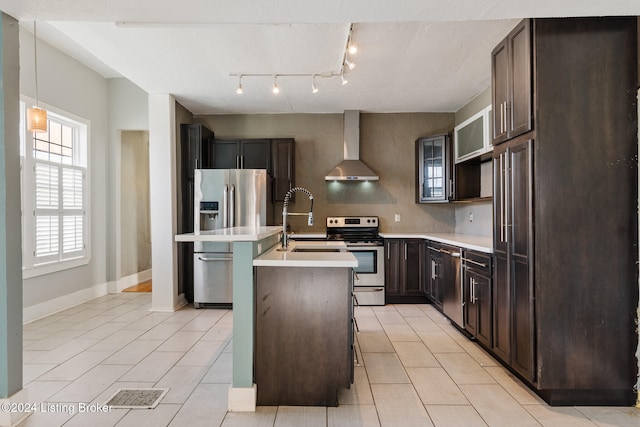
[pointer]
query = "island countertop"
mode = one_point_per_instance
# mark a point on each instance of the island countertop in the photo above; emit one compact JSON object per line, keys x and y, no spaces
{"x":290,"y":258}
{"x":234,"y":234}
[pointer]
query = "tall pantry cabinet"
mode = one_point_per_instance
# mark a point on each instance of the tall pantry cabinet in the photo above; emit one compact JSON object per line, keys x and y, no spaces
{"x":565,"y":282}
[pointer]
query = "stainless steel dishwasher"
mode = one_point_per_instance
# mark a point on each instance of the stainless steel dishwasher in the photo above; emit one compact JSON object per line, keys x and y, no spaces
{"x":452,"y":301}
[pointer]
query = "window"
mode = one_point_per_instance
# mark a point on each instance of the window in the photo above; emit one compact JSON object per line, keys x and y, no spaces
{"x":54,"y":195}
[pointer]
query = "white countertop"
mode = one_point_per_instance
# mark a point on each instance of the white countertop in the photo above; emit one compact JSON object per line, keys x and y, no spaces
{"x":275,"y":258}
{"x":467,"y":241}
{"x":235,"y":234}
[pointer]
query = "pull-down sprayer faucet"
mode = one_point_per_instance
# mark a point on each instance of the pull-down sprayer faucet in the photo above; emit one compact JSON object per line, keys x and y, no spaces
{"x":285,"y":214}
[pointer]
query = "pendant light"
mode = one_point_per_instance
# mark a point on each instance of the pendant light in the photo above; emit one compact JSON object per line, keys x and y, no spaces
{"x":314,"y":88}
{"x":36,"y":117}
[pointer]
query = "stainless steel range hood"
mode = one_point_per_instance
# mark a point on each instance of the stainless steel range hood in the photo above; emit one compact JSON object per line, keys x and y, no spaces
{"x":351,"y":168}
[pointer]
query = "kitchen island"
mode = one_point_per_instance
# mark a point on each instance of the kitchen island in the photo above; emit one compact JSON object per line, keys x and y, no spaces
{"x":257,"y":246}
{"x":304,"y":324}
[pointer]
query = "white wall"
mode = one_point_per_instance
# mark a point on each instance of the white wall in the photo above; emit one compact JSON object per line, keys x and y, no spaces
{"x":66,"y":84}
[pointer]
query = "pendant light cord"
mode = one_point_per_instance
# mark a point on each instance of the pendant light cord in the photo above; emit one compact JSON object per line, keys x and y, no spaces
{"x":35,"y":59}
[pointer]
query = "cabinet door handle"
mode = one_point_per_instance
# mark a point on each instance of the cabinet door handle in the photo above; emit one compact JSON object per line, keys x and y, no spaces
{"x":405,"y":251}
{"x":433,"y":270}
{"x":501,"y":117}
{"x":506,"y":117}
{"x":507,"y":186}
{"x":473,"y":286}
{"x":471,"y":290}
{"x":434,"y":249}
{"x":388,"y":251}
{"x":501,"y":187}
{"x":479,"y":264}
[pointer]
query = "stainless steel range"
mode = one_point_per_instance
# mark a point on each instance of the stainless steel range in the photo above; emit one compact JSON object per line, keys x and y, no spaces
{"x":360,"y":234}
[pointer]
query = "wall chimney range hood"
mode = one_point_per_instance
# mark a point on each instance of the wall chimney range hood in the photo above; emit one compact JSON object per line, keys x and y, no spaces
{"x":351,"y":168}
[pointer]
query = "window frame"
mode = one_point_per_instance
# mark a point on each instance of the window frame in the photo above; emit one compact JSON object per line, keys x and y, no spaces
{"x":82,"y":131}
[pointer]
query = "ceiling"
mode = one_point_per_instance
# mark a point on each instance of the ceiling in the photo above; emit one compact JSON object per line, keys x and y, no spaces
{"x":414,"y":55}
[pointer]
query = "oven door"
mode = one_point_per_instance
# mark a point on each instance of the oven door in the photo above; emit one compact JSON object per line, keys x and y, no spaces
{"x":369,"y":283}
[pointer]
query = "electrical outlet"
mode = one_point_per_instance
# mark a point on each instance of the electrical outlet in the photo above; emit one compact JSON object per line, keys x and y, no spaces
{"x":471,"y":216}
{"x":398,"y":218}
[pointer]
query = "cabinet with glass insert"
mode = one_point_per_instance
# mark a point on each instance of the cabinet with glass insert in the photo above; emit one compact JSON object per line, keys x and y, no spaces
{"x":433,"y":169}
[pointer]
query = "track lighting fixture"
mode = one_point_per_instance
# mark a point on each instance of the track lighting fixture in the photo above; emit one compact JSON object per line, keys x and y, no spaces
{"x":349,"y":48}
{"x":239,"y":90}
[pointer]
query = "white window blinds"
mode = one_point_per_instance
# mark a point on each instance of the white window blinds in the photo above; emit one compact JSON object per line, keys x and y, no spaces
{"x":59,"y":211}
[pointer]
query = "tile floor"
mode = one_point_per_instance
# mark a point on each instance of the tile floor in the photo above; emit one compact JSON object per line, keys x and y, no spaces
{"x":415,"y":370}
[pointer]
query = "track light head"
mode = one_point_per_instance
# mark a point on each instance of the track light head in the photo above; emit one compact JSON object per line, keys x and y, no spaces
{"x":314,"y":88}
{"x":344,"y":79}
{"x":275,"y":89}
{"x":352,"y":48}
{"x":239,"y":90}
{"x":349,"y":64}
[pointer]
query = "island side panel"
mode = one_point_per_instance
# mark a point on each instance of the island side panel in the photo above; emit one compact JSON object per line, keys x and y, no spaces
{"x":303,"y":329}
{"x":243,"y":312}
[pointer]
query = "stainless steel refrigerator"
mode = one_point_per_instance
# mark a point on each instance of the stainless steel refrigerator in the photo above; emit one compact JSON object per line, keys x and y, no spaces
{"x":224,"y":198}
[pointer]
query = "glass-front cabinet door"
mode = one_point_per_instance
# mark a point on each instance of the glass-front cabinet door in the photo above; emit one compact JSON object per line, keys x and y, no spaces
{"x":432,"y":170}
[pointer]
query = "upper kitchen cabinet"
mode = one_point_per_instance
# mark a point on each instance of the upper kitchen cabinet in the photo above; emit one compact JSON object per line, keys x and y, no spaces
{"x":511,"y":84}
{"x":242,"y":154}
{"x":195,"y":149}
{"x":433,"y":169}
{"x":282,"y":159}
{"x":472,"y":138}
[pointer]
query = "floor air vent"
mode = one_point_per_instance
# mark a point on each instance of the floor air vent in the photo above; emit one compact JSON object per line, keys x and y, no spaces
{"x":136,"y":398}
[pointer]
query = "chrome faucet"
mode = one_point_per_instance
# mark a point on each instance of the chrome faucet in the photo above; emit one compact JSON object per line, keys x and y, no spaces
{"x":285,"y":214}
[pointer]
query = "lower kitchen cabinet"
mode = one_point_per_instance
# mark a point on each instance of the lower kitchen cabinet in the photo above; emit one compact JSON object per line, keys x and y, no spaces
{"x":476,"y":285}
{"x":303,"y":335}
{"x":404,"y":270}
{"x":435,"y":274}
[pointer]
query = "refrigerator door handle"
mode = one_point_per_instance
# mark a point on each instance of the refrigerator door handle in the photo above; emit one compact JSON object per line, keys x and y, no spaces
{"x":225,"y":203}
{"x":232,"y":206}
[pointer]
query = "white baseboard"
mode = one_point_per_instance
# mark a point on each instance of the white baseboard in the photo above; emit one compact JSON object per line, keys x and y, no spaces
{"x":242,"y":399}
{"x":47,"y":308}
{"x":22,"y":405}
{"x":132,"y":280}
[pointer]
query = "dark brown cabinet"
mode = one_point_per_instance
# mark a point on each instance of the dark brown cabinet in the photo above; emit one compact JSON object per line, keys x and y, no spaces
{"x":434,"y":165}
{"x":434,"y":274}
{"x":404,"y":270}
{"x":303,"y":335}
{"x":196,"y":152}
{"x":242,"y":154}
{"x":277,"y":156}
{"x":565,"y":274}
{"x":283,"y":161}
{"x":476,"y":287}
{"x":511,"y":83}
{"x":513,"y":168}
